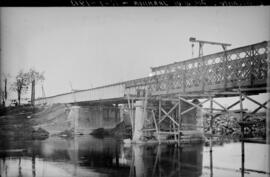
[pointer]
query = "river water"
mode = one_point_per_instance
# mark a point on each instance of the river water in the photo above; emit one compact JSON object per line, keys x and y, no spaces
{"x":110,"y":157}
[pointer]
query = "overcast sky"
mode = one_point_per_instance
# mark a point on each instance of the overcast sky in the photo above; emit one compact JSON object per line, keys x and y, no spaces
{"x":95,"y":46}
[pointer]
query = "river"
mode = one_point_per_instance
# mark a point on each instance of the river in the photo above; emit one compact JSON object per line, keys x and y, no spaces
{"x":110,"y":157}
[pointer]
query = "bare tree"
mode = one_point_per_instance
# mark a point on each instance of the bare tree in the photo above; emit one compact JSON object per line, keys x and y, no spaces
{"x":3,"y":91}
{"x":33,"y":77}
{"x":2,"y":97}
{"x":20,"y":85}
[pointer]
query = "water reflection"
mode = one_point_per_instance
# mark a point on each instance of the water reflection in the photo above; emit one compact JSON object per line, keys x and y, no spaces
{"x":211,"y":159}
{"x":242,"y":159}
{"x":166,"y":161}
{"x":90,"y":156}
{"x":236,"y":159}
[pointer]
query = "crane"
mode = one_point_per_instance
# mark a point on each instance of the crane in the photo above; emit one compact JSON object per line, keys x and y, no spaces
{"x":201,"y":43}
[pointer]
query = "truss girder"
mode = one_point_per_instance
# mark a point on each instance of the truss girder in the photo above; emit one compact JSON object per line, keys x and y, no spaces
{"x":244,"y":66}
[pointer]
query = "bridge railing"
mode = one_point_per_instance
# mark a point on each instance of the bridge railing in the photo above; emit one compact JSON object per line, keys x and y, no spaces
{"x":245,"y":67}
{"x":94,"y":94}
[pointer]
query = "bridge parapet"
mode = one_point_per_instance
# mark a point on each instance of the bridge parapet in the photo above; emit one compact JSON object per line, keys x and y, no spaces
{"x":95,"y":94}
{"x":240,"y":67}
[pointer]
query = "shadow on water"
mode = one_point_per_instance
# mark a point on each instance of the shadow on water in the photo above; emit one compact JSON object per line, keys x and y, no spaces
{"x":90,"y":156}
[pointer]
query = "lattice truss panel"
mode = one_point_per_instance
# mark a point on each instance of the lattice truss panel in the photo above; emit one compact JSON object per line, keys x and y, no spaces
{"x":248,"y":64}
{"x":245,"y":66}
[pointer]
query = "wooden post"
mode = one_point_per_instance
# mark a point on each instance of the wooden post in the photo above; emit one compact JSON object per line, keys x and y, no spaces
{"x":130,"y":108}
{"x":33,"y":93}
{"x":20,"y":167}
{"x":174,"y":130}
{"x":243,"y":159}
{"x":243,"y":133}
{"x":33,"y":164}
{"x":268,"y":105}
{"x":156,"y":126}
{"x":132,"y":115}
{"x":179,"y":122}
{"x":132,"y":166}
{"x":241,"y":114}
{"x":211,"y":122}
{"x":211,"y":136}
{"x":76,"y":144}
{"x":116,"y":113}
{"x":225,"y":68}
{"x":156,"y":162}
{"x":211,"y":159}
{"x":159,"y":115}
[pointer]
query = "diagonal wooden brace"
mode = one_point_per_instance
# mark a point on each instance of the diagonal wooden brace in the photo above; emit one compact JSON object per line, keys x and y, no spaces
{"x":256,"y":102}
{"x":195,"y":105}
{"x":167,"y":113}
{"x":190,"y":109}
{"x":257,"y":109}
{"x":232,"y":105}
{"x":220,"y":105}
{"x":170,"y":117}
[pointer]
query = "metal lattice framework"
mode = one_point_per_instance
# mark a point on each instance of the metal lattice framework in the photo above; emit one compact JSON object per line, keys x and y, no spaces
{"x":241,"y":67}
{"x":238,"y":72}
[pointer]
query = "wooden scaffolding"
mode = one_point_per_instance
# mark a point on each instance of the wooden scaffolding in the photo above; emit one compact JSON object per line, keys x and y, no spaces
{"x":158,"y":114}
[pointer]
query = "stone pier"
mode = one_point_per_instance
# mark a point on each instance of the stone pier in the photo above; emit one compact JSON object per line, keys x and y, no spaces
{"x":84,"y":119}
{"x":139,"y":121}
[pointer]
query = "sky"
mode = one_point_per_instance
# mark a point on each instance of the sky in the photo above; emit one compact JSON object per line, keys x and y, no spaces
{"x":95,"y":46}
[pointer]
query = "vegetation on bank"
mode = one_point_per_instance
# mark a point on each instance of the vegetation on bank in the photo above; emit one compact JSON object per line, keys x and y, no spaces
{"x":16,"y":124}
{"x":20,"y":85}
{"x":230,"y":125}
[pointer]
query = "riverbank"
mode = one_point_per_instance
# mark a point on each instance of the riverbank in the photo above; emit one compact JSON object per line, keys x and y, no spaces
{"x":27,"y":122}
{"x":16,"y":124}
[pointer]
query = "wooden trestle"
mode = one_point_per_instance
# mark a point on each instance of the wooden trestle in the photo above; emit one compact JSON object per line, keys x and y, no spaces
{"x":155,"y":111}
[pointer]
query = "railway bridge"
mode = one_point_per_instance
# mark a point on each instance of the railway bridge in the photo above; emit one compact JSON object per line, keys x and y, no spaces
{"x":162,"y":103}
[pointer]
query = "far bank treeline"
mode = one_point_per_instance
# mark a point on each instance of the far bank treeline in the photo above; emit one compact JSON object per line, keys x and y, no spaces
{"x":23,"y":82}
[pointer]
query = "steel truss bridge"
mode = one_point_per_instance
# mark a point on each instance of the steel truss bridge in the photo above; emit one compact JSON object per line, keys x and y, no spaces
{"x":237,"y":72}
{"x":245,"y":68}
